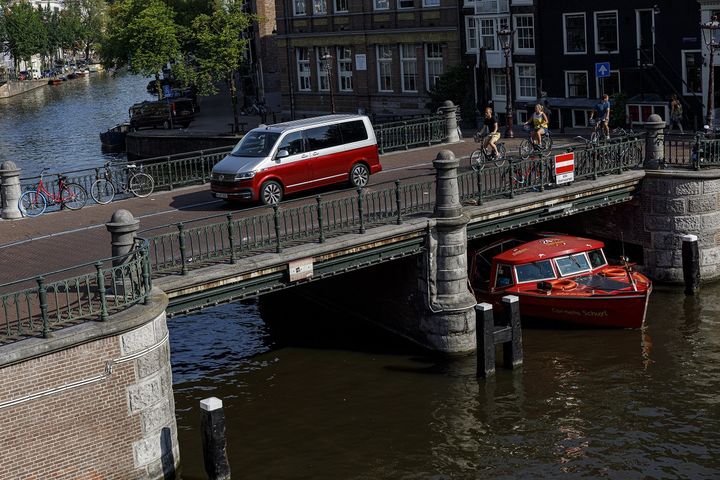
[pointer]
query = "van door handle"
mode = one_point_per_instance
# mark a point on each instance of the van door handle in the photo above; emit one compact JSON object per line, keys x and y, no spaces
{"x":304,"y":155}
{"x":315,"y":154}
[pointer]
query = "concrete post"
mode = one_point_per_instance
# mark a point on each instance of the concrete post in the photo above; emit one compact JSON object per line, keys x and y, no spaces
{"x":10,"y":190}
{"x":213,"y":439}
{"x":449,"y":320}
{"x":691,"y":264}
{"x":122,"y":227}
{"x":654,"y":142}
{"x":448,"y":109}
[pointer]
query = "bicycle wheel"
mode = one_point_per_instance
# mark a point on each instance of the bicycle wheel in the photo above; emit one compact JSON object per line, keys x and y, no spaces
{"x":476,"y":160}
{"x":526,"y":149}
{"x":73,"y":196}
{"x":500,"y":159}
{"x":546,"y":143}
{"x":518,"y":174}
{"x":102,"y":191}
{"x":594,"y":137}
{"x":141,"y":184}
{"x":32,"y":203}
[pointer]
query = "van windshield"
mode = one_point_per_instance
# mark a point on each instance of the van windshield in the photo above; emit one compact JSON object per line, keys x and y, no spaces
{"x":255,"y":144}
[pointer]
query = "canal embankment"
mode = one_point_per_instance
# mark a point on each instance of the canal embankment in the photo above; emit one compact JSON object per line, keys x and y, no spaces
{"x":12,"y":88}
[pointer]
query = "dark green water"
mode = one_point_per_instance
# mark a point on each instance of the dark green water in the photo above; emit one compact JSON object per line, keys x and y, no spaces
{"x":345,"y":401}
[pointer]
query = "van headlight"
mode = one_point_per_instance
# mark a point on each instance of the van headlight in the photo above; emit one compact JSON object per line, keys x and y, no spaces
{"x":245,"y":175}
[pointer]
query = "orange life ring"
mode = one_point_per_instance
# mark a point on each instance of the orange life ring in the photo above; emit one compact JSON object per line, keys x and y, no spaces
{"x":563,"y":284}
{"x":614,"y":272}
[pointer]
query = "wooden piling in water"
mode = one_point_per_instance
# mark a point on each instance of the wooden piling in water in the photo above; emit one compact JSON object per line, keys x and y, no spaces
{"x":691,"y":264}
{"x":488,"y":335}
{"x":213,"y":439}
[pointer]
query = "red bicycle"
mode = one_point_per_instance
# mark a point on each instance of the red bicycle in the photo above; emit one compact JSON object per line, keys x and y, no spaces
{"x":34,"y":202}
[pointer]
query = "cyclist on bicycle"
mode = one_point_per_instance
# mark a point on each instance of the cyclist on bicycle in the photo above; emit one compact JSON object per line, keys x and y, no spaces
{"x":601,"y":114}
{"x":539,"y":122}
{"x":490,"y":127}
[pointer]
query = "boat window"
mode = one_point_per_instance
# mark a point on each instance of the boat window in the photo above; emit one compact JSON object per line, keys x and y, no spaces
{"x":535,"y":271}
{"x":597,"y":258}
{"x":503,"y":278}
{"x":255,"y":144}
{"x":572,"y":264}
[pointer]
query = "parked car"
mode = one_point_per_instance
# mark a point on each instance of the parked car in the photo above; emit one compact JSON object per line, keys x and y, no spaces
{"x":272,"y":161}
{"x":168,"y":113}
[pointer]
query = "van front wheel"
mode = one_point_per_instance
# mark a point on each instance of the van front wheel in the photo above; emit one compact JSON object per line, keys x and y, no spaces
{"x":359,"y":175}
{"x":271,"y":193}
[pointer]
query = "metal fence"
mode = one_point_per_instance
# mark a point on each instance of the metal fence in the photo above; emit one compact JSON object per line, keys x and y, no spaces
{"x":36,"y":306}
{"x":411,"y":133}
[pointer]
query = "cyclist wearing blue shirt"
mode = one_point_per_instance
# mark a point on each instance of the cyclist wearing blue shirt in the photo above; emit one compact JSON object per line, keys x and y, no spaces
{"x":602,"y":114}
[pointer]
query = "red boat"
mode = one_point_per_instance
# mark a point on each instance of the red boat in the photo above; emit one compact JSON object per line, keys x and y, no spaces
{"x":561,"y":278}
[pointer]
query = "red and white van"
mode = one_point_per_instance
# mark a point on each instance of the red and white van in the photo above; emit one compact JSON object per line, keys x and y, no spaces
{"x":272,"y":161}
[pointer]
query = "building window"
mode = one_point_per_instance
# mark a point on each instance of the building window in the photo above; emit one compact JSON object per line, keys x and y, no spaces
{"x":574,"y":35}
{"x":498,"y":82}
{"x":488,"y":33}
{"x":319,"y":7}
{"x":384,"y":68}
{"x":299,"y":7}
{"x":341,"y":6}
{"x":606,"y":32}
{"x":692,"y":71}
{"x":382,"y":4}
{"x":576,"y":84}
{"x":303,"y":68}
{"x":344,"y":56}
{"x":471,"y":34}
{"x":433,"y":64}
{"x":526,"y":81}
{"x":405,"y":4}
{"x":525,"y":33}
{"x":322,"y":68}
{"x":609,"y":85}
{"x":580,"y":118}
{"x":408,"y":67}
{"x":431,"y":3}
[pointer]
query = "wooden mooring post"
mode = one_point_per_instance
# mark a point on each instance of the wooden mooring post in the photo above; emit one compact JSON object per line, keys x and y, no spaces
{"x":691,"y":264}
{"x":507,"y":332}
{"x":213,"y":439}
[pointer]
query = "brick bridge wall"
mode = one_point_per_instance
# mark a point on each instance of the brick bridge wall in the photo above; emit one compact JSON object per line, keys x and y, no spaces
{"x":65,"y":415}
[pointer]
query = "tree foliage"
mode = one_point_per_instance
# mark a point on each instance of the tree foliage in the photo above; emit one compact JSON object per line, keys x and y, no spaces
{"x":25,"y":33}
{"x":452,"y":85}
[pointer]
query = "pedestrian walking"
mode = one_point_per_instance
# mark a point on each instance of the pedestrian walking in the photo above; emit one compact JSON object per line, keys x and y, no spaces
{"x":676,"y":113}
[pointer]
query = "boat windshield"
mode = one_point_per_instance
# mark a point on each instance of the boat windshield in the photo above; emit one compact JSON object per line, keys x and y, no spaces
{"x":572,"y":264}
{"x":503,"y":276}
{"x":532,"y":272}
{"x":255,"y":144}
{"x":597,"y":258}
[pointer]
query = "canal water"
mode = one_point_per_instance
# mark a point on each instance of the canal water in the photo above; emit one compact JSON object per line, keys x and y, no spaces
{"x":58,"y":126}
{"x":320,"y":396}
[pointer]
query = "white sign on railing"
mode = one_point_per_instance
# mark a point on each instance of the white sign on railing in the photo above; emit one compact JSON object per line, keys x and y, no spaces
{"x":564,"y":168}
{"x":300,"y":269}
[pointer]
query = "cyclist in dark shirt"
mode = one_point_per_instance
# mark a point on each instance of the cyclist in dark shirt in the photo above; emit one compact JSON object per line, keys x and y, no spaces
{"x":602,"y":115}
{"x":490,"y":126}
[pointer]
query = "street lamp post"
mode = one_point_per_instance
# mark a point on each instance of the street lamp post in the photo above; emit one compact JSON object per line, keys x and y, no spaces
{"x":709,"y":30}
{"x":505,"y":38}
{"x":328,"y":67}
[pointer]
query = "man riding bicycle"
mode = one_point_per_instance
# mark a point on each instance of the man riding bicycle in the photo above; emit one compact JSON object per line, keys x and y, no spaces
{"x":490,"y":128}
{"x":601,"y":114}
{"x":539,"y":123}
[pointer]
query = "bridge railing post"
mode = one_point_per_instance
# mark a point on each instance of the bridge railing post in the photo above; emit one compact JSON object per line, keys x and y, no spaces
{"x":9,"y":190}
{"x":449,"y":110}
{"x":183,"y":253}
{"x":510,"y":167}
{"x":478,"y":178}
{"x":122,"y":227}
{"x":100,"y":278}
{"x":361,"y":210}
{"x":398,"y":204}
{"x":276,"y":218}
{"x":169,"y":172}
{"x":593,"y":158}
{"x":42,"y":297}
{"x":231,"y":238}
{"x":543,"y":173}
{"x":321,"y":228}
{"x":654,"y":142}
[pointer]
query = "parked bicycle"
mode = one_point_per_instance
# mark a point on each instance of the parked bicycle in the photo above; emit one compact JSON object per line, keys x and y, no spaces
{"x":529,"y":147}
{"x":69,"y":194}
{"x":139,"y":183}
{"x":485,"y":154}
{"x":525,"y":173}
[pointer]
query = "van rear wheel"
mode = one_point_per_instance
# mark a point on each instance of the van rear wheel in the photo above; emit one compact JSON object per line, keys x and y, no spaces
{"x":359,"y":175}
{"x":271,"y":193}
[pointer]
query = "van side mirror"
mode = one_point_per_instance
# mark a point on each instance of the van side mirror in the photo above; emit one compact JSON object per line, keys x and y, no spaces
{"x":282,"y":154}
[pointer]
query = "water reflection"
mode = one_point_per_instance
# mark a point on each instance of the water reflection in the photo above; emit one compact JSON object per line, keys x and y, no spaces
{"x":324,"y":397}
{"x":58,"y":126}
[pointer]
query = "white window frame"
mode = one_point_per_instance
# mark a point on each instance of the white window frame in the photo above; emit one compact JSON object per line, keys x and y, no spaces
{"x":586,"y":116}
{"x":344,"y":69}
{"x":637,"y":34}
{"x":303,"y":73}
{"x":296,"y":13}
{"x":413,"y":48}
{"x":384,"y":62}
{"x":567,"y":83}
{"x":597,"y":82}
{"x":319,"y":8}
{"x":431,"y":3}
{"x":518,"y":88}
{"x":684,"y":71}
{"x":381,"y":4}
{"x":493,"y":34}
{"x":617,"y":31}
{"x":521,"y":116}
{"x":430,"y":61}
{"x":574,"y":14}
{"x":468,"y":38}
{"x":516,"y":37}
{"x":322,"y":72}
{"x":338,"y":5}
{"x":497,"y":79}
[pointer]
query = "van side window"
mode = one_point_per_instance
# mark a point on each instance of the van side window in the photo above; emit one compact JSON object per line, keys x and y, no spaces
{"x":353,"y":131}
{"x":292,"y":142}
{"x":323,"y":137}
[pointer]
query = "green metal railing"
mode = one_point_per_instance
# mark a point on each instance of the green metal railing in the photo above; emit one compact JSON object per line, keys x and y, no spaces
{"x":36,"y":306}
{"x":411,"y":133}
{"x":708,"y":153}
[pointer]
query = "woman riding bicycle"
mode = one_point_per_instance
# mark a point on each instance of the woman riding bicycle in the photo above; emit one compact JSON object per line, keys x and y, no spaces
{"x":490,"y":128}
{"x":539,"y":123}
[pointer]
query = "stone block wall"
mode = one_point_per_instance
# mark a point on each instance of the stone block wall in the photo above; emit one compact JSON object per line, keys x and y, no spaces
{"x":99,"y":405}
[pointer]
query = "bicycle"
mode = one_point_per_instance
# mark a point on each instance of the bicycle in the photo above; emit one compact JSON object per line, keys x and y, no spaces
{"x":525,"y":173}
{"x":34,"y":202}
{"x":485,"y":154}
{"x":103,"y":189}
{"x":528,"y":146}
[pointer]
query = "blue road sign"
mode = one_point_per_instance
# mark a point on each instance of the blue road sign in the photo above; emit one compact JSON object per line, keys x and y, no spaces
{"x":167,"y":90}
{"x":602,"y":69}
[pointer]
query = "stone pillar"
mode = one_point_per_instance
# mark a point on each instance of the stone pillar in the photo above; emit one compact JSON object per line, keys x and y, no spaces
{"x":122,"y":227}
{"x":448,"y":109}
{"x":10,"y":190}
{"x":449,"y":319}
{"x":654,"y":142}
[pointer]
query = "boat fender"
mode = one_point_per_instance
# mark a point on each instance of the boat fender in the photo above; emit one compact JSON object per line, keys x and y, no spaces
{"x":563,"y":284}
{"x":614,"y":272}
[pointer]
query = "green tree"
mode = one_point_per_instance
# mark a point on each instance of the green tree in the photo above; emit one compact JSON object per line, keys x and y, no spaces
{"x":93,"y":20}
{"x":25,"y":34}
{"x":452,"y":85}
{"x":70,"y":28}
